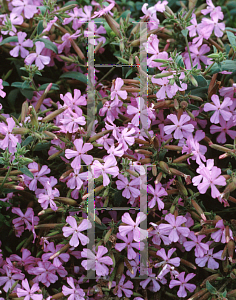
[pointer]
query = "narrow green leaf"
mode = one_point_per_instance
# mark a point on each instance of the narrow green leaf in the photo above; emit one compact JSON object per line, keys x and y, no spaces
{"x":211,"y":288}
{"x":124,"y":61}
{"x":27,"y":172}
{"x":9,"y":39}
{"x":75,"y":75}
{"x":40,"y":27}
{"x":231,"y":38}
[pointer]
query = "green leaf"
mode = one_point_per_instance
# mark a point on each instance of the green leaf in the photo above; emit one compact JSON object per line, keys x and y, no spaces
{"x":54,"y":87}
{"x":5,"y":83}
{"x":9,"y":39}
{"x":21,"y":85}
{"x":102,"y":226}
{"x":42,"y":9}
{"x":124,"y":61}
{"x":75,"y":75}
{"x":27,"y":141}
{"x":226,"y":65}
{"x":129,"y":72}
{"x":48,"y":44}
{"x":200,"y":80}
{"x":40,"y":27}
{"x":231,"y":38}
{"x":27,"y":93}
{"x":42,"y":146}
{"x":27,"y":172}
{"x":211,"y":288}
{"x":69,"y":3}
{"x":184,"y":32}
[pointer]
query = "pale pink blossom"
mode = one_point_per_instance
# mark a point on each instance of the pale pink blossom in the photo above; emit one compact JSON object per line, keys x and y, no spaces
{"x":40,"y":60}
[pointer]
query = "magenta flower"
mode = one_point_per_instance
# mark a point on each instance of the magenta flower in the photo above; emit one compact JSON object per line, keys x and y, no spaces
{"x":220,"y":109}
{"x":71,"y":121}
{"x":174,"y":228}
{"x":180,"y":129}
{"x":79,"y":154}
{"x":74,"y":102}
{"x":76,"y":231}
{"x":154,"y":286}
{"x":157,"y":193}
{"x":26,"y":260}
{"x":126,"y":138}
{"x":40,"y":60}
{"x":197,"y":56}
{"x":97,"y":262}
{"x":129,"y":245}
{"x":158,"y":236}
{"x":20,"y":45}
{"x":123,"y":287}
{"x":211,"y":178}
{"x":48,"y":197}
{"x":29,"y":293}
{"x":201,"y":248}
{"x":109,"y":167}
{"x":183,"y":284}
{"x":129,"y":187}
{"x":138,"y":233}
{"x":76,"y":293}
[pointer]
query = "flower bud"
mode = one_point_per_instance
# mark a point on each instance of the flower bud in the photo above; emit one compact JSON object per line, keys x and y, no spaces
{"x":182,"y":158}
{"x":55,"y":113}
{"x":63,"y":249}
{"x":163,"y":165}
{"x":24,"y":110}
{"x":43,"y":96}
{"x":161,"y":75}
{"x":231,"y":249}
{"x":54,"y":155}
{"x":198,"y":209}
{"x":67,"y":201}
{"x":20,"y":130}
{"x":140,"y":141}
{"x":128,"y":265}
{"x":33,"y":117}
{"x":120,"y":271}
{"x":113,"y":24}
{"x":99,"y":135}
{"x":173,"y":147}
{"x":188,"y":264}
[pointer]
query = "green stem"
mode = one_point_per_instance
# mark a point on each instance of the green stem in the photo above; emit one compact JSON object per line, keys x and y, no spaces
{"x":186,"y":40}
{"x":4,"y":180}
{"x":106,"y":74}
{"x":208,"y":68}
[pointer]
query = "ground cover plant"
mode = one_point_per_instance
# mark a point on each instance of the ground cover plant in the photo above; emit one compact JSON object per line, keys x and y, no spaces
{"x":117,"y":150}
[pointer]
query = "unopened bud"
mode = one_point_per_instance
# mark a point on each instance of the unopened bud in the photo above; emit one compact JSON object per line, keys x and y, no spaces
{"x":198,"y":209}
{"x":161,"y":75}
{"x":182,"y":158}
{"x":21,"y":130}
{"x":113,"y":24}
{"x":67,"y":201}
{"x":163,"y":165}
{"x":120,"y":271}
{"x":54,"y":155}
{"x":33,"y":116}
{"x":99,"y":135}
{"x":43,"y":96}
{"x":24,"y":110}
{"x":231,"y":249}
{"x":55,"y":113}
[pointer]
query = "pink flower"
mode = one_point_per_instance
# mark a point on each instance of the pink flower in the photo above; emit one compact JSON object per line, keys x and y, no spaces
{"x":11,"y":275}
{"x":39,"y":176}
{"x":123,"y":287}
{"x":211,"y":178}
{"x":76,"y":293}
{"x":79,"y":154}
{"x":94,"y":31}
{"x":10,"y":141}
{"x":15,"y":19}
{"x":29,"y":293}
{"x":129,"y":187}
{"x":138,"y":233}
{"x":57,"y":261}
{"x":129,"y":245}
{"x":20,"y":45}
{"x":71,"y":121}
{"x":74,"y":102}
{"x":67,"y":38}
{"x":183,"y":284}
{"x":214,"y":11}
{"x":23,"y":219}
{"x":201,"y":248}
{"x":209,"y":259}
{"x":220,"y":235}
{"x":76,"y":231}
{"x":126,"y":138}
{"x":174,"y":228}
{"x":116,"y":90}
{"x":210,"y":25}
{"x":158,"y":236}
{"x":78,"y":12}
{"x":45,"y":273}
{"x":40,"y":60}
{"x":197,"y":56}
{"x":167,"y":258}
{"x":220,"y":109}
{"x":109,"y":167}
{"x":26,"y":7}
{"x":154,"y":286}
{"x":96,"y":262}
{"x":157,"y":193}
{"x":2,"y":93}
{"x":180,"y":129}
{"x":48,"y":197}
{"x":224,"y":129}
{"x":105,"y":10}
